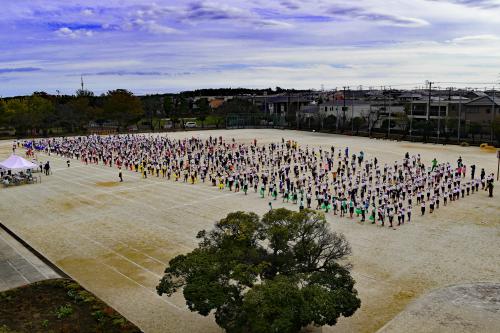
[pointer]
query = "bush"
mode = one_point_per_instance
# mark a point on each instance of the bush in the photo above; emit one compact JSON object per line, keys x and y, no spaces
{"x":64,"y":311}
{"x":5,"y":329}
{"x":464,"y":144}
{"x":98,"y":315}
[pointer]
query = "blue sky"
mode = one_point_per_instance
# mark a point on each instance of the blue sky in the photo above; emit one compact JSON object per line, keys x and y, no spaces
{"x":168,"y":46}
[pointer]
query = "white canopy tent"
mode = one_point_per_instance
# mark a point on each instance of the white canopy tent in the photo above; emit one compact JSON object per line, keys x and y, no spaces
{"x":15,"y":163}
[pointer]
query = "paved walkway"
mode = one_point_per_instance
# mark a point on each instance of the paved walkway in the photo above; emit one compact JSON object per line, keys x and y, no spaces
{"x":18,"y":266}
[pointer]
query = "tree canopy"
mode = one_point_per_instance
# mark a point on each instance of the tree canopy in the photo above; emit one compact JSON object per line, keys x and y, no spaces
{"x":237,"y":91}
{"x":238,"y":105}
{"x":32,"y":113}
{"x":276,"y":274}
{"x":122,"y":106}
{"x":203,"y":110}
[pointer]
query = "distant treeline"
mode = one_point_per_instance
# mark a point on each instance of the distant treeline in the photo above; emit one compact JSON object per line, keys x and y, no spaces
{"x":238,"y":91}
{"x":45,"y":114}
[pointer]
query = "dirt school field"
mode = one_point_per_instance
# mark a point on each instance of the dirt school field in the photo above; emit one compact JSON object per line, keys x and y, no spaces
{"x":115,"y":239}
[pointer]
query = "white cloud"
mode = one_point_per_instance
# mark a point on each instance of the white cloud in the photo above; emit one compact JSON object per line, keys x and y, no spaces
{"x":259,"y":43}
{"x":150,"y":26}
{"x":66,"y":32}
{"x":272,"y":24}
{"x":156,"y":28}
{"x":87,"y":12}
{"x":476,"y":39}
{"x":409,"y":22}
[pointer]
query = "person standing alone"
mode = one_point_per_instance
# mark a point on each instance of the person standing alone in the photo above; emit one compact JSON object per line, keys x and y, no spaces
{"x":47,"y":168}
{"x":489,"y":187}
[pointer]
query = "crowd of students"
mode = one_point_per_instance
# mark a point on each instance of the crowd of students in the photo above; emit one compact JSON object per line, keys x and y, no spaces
{"x":335,"y":180}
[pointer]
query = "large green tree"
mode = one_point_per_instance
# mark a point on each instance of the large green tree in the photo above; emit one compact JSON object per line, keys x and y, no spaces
{"x":276,"y":274}
{"x":182,"y":109}
{"x":4,"y":120}
{"x":153,"y":109}
{"x":122,"y":106}
{"x":238,"y":105}
{"x":169,"y":109}
{"x":330,"y":122}
{"x":203,"y":110}
{"x":78,"y":112}
{"x":29,"y":114}
{"x":41,"y":113}
{"x":17,"y":114}
{"x":357,"y":122}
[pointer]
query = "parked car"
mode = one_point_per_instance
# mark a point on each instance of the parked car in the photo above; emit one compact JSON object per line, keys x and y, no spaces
{"x":190,"y":124}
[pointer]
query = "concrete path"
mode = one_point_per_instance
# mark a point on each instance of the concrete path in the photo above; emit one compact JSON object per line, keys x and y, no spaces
{"x":18,"y":266}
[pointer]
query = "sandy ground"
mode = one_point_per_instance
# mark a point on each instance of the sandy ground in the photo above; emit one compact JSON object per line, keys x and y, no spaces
{"x":116,"y":238}
{"x":455,"y":309}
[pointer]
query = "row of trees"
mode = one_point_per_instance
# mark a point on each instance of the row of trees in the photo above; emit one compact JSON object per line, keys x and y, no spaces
{"x":238,"y":91}
{"x":39,"y":113}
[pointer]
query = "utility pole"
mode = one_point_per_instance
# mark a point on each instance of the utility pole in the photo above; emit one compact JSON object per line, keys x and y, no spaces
{"x":448,"y":108}
{"x":459,"y":114}
{"x":352,"y":112}
{"x":370,"y":121}
{"x":439,"y":115}
{"x":338,"y":119}
{"x":385,"y":101}
{"x":390,"y":106}
{"x":337,"y":109}
{"x":287,"y":108}
{"x":344,"y":109}
{"x":298,"y":110}
{"x":492,"y":117}
{"x":343,"y":95}
{"x":429,"y":101}
{"x":411,"y":120}
{"x":427,"y":128}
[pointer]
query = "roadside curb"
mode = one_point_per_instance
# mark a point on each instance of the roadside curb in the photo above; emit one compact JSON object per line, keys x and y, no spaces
{"x":35,"y":252}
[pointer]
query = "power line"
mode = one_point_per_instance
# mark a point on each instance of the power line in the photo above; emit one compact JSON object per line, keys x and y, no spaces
{"x":458,"y":82}
{"x":416,"y":84}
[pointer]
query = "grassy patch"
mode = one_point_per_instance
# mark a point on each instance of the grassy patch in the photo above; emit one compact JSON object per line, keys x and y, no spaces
{"x":58,"y":305}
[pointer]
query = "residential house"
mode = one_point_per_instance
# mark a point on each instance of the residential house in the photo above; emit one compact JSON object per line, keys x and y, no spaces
{"x":482,"y":110}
